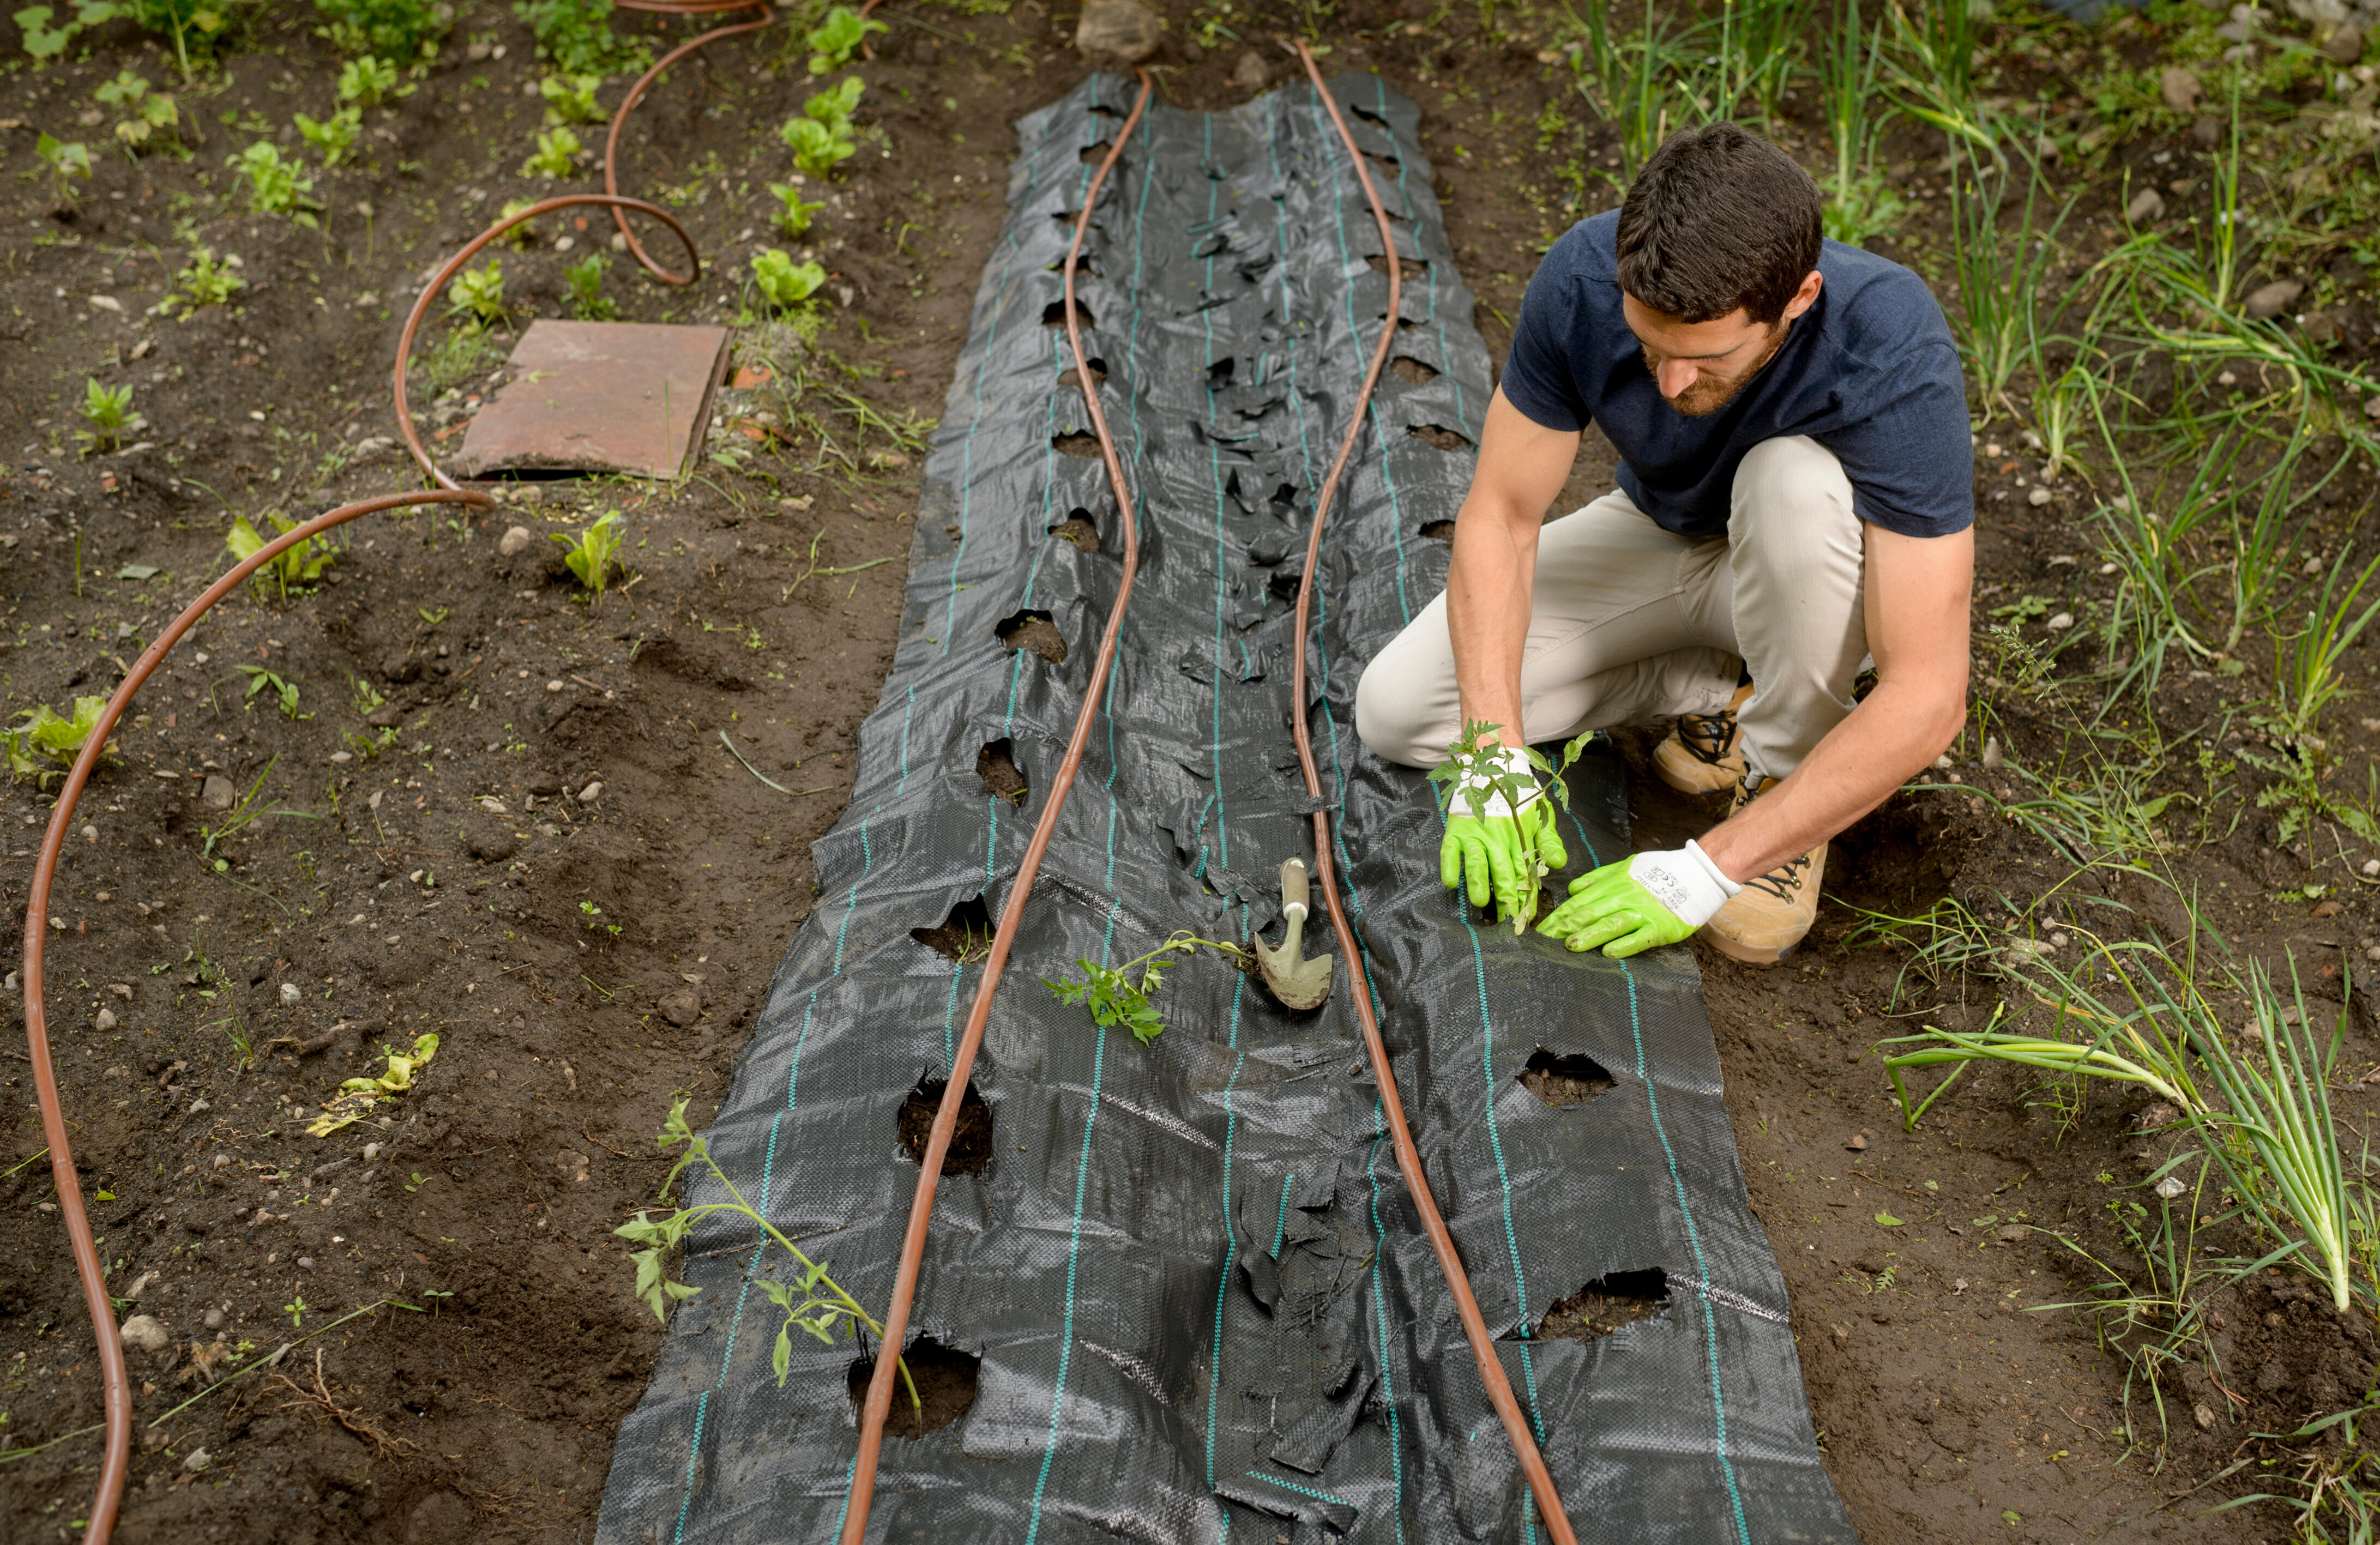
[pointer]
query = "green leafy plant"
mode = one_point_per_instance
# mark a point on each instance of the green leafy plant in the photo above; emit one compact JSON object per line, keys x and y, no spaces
{"x":587,"y":301}
{"x":275,"y":186}
{"x":557,"y":153}
{"x":478,"y":294}
{"x":203,"y":283}
{"x":148,"y":113}
{"x":357,"y":1096}
{"x":570,"y":99}
{"x":66,"y":161}
{"x":576,"y":36}
{"x":194,"y":25}
{"x":590,"y":555}
{"x":401,"y":31}
{"x":296,"y":569}
{"x":794,"y":211}
{"x":108,"y":410}
{"x":783,"y":283}
{"x":2307,"y":679}
{"x":1477,"y":759}
{"x":366,"y":80}
{"x":42,"y":746}
{"x":334,"y":136}
{"x":1112,"y":996}
{"x":812,"y":1302}
{"x":834,"y":39}
{"x":283,"y":690}
{"x":821,"y":138}
{"x":45,"y":41}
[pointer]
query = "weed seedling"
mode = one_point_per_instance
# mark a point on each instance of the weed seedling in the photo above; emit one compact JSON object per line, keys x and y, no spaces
{"x":587,"y":301}
{"x":297,"y":1313}
{"x":570,"y":99}
{"x":794,"y":211}
{"x":783,"y":283}
{"x":1115,"y":998}
{"x":42,"y":746}
{"x":332,"y":137}
{"x":296,"y":569}
{"x":821,"y":1308}
{"x":834,"y":41}
{"x":244,"y":812}
{"x":275,"y":186}
{"x":66,"y":161}
{"x":590,"y":557}
{"x":557,"y":153}
{"x":478,"y":294}
{"x":366,"y":81}
{"x":284,"y":689}
{"x":108,"y":410}
{"x":203,"y":283}
{"x":147,"y":113}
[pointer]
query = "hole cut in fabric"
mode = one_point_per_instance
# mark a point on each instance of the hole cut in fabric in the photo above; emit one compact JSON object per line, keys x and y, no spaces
{"x":1078,"y":443}
{"x":1054,"y":313}
{"x":1439,"y":531}
{"x":1440,"y":437}
{"x":945,"y":1378}
{"x":1562,"y":1082}
{"x":1412,"y":372}
{"x":996,"y":765}
{"x":1408,"y":268}
{"x":1033,"y":630}
{"x":1607,"y":1304}
{"x":962,"y":936}
{"x":970,"y":1141}
{"x":1078,"y":529}
{"x":1072,"y":377}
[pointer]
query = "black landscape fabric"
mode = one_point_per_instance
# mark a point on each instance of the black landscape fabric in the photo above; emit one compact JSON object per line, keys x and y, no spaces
{"x":1202,"y":1305}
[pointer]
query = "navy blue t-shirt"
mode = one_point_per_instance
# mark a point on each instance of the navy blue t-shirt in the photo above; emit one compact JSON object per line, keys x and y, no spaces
{"x":1869,"y":372}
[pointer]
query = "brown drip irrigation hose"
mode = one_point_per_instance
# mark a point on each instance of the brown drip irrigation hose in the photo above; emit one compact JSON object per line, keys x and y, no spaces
{"x":946,"y":1118}
{"x":635,"y":94}
{"x":438,"y":282}
{"x":1474,"y":1326}
{"x":904,"y":1283}
{"x":118,"y":1461}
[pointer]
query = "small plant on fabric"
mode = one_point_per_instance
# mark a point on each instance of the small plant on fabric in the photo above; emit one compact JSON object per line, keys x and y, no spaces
{"x":41,"y":745}
{"x":400,"y":30}
{"x":1112,"y":996}
{"x":794,"y":211}
{"x":783,"y":283}
{"x":275,"y":186}
{"x":588,"y":556}
{"x":148,"y":113}
{"x":821,"y":138}
{"x":368,"y":80}
{"x":587,"y":301}
{"x":570,"y":99}
{"x":576,"y":36}
{"x":295,"y":570}
{"x":1476,"y":760}
{"x":812,"y":1301}
{"x":108,"y":410}
{"x":202,"y":282}
{"x":476,"y":295}
{"x":557,"y":153}
{"x":332,"y":137}
{"x":834,"y":41}
{"x":66,"y":161}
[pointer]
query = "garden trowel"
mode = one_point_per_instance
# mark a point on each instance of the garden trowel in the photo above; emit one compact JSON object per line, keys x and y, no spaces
{"x":1298,"y":983}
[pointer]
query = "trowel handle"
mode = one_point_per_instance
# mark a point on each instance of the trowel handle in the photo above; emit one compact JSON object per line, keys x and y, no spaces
{"x":1293,"y":895}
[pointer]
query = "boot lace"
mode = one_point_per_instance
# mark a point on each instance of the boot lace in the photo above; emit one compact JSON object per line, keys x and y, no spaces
{"x":1783,"y":882}
{"x":1707,"y":738}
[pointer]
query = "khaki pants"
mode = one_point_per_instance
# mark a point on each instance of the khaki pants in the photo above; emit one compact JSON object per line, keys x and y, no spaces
{"x":1630,"y":624}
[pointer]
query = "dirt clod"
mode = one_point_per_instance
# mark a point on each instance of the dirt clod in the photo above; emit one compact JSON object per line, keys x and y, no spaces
{"x":1564,"y":1081}
{"x":1607,"y":1304}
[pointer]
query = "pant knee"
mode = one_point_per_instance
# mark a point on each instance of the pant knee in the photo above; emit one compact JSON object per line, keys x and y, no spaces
{"x":1388,"y":725}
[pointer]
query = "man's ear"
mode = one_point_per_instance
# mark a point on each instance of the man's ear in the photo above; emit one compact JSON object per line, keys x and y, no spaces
{"x":1806,"y":296}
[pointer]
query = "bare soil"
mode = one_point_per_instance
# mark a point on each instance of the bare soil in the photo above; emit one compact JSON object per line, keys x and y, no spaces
{"x":558,"y":868}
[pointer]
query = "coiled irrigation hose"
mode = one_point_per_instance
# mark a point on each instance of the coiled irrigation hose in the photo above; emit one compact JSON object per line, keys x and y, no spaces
{"x":879,"y":1404}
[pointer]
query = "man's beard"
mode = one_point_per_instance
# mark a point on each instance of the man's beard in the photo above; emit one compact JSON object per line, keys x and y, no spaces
{"x":1710,"y":394}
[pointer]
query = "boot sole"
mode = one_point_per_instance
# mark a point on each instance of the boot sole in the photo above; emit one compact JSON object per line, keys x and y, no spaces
{"x":1750,"y":954}
{"x":1684,"y":783}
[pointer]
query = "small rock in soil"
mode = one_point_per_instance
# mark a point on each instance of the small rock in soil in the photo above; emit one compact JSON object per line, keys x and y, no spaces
{"x":143,"y":1333}
{"x":683,"y":1007}
{"x":491,"y":843}
{"x":1122,"y":30}
{"x":2345,"y":44}
{"x":2207,"y":132}
{"x":1858,"y":1144}
{"x":215,"y":1320}
{"x":217,"y":792}
{"x":1249,"y":74}
{"x":2147,"y":204}
{"x":2010,"y":1233}
{"x":2271,"y":300}
{"x":2180,"y":89}
{"x":106,"y":1019}
{"x":516,"y":539}
{"x":196,"y":1460}
{"x":592,"y":793}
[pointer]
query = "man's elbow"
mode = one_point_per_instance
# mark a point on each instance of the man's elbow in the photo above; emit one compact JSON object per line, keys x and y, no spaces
{"x":1945,"y":715}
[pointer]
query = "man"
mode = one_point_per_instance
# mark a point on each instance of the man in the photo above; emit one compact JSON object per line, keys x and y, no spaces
{"x":1795,"y":498}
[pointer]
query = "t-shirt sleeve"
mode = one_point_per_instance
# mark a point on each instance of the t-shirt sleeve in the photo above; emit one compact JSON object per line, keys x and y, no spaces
{"x":1537,"y":378}
{"x":1912,"y":460}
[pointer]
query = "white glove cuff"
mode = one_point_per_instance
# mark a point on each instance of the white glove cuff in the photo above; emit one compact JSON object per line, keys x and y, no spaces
{"x":1472,"y":797}
{"x":1685,"y":881}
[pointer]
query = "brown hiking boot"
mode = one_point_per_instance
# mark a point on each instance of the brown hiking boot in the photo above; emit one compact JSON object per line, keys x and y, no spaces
{"x":1704,"y":754}
{"x":1763,"y":922}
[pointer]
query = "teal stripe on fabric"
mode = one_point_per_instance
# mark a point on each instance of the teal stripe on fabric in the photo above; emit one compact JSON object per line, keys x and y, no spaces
{"x":1223,"y":1276}
{"x":1280,"y":1219}
{"x":1695,"y":1242}
{"x":951,"y":1016}
{"x":905,"y":712}
{"x":1301,"y":1491}
{"x":692,"y":1458}
{"x":1215,"y":474}
{"x":850,"y":1472}
{"x":1380,"y":1318}
{"x":850,"y":902}
{"x":1404,"y":192}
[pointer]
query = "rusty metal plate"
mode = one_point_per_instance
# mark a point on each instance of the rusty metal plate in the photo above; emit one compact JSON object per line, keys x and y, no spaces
{"x":600,"y":396}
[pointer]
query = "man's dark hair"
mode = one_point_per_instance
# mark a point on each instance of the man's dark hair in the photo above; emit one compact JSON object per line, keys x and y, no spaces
{"x":1718,"y":219}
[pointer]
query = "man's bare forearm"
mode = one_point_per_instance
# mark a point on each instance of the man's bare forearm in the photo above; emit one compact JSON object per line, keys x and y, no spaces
{"x":1489,"y":592}
{"x":1853,"y":769}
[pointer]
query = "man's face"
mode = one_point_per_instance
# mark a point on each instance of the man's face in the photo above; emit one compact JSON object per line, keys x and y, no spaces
{"x":1700,"y":366}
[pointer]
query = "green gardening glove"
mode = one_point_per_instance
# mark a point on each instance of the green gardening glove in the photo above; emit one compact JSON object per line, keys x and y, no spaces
{"x":1487,"y":846}
{"x":1650,"y":899}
